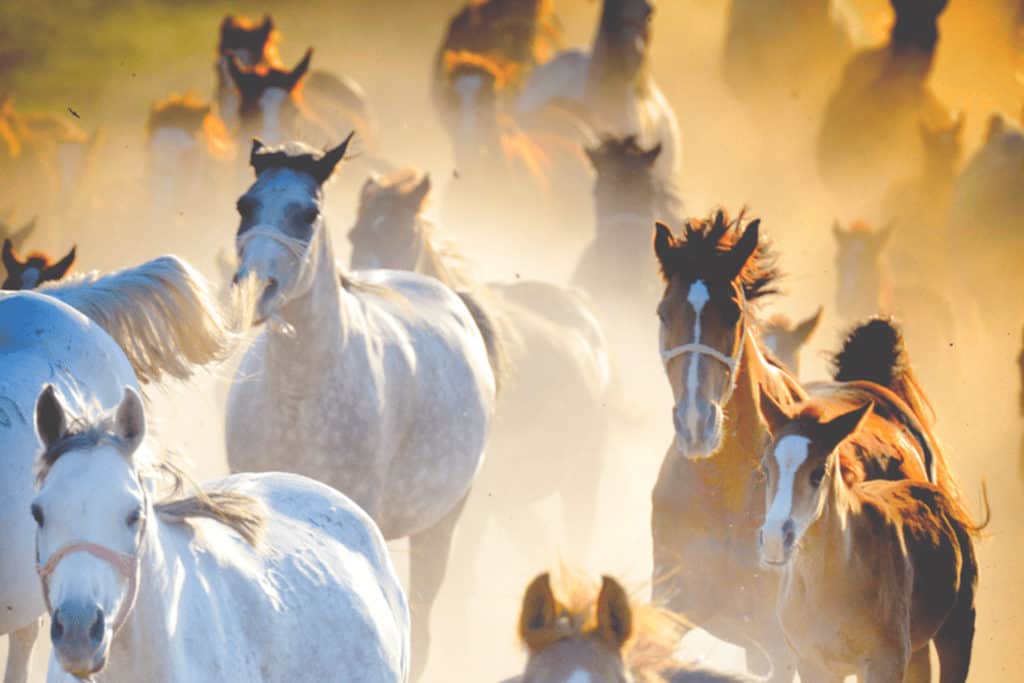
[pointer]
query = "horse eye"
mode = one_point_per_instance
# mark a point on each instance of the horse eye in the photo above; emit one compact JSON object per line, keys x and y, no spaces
{"x":816,"y":476}
{"x":244,"y":208}
{"x":310,"y":215}
{"x":37,"y":513}
{"x":133,"y":517}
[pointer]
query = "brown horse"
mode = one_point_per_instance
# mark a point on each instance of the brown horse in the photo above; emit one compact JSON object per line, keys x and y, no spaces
{"x":577,"y":632}
{"x":868,"y":136}
{"x":873,"y":570}
{"x":523,"y":33}
{"x":548,"y":438}
{"x":706,"y":503}
{"x":785,"y":339}
{"x":34,"y":269}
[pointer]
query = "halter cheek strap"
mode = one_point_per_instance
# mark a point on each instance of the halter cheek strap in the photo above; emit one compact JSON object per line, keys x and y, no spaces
{"x":127,"y":566}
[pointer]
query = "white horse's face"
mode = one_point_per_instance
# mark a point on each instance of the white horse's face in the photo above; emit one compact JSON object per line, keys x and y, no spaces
{"x":279,"y":216}
{"x":91,"y":499}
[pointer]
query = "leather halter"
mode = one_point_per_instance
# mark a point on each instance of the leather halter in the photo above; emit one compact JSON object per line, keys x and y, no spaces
{"x":126,"y":564}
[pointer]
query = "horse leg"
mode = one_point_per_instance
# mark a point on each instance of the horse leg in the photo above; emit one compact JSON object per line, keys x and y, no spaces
{"x":954,"y":643}
{"x":920,"y":668}
{"x":885,"y":667}
{"x":810,"y":673}
{"x":428,"y":561}
{"x":773,"y":656}
{"x":19,"y":652}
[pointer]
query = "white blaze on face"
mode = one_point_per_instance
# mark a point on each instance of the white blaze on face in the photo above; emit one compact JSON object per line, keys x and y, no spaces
{"x":698,"y":298}
{"x":271,"y":104}
{"x":790,"y":453}
{"x":579,"y":676}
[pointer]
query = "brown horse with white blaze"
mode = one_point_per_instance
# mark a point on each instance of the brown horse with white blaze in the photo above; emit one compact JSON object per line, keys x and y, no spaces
{"x":873,"y":570}
{"x":706,"y":502}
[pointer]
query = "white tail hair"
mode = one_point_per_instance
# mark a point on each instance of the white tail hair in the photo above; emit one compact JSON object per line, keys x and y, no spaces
{"x":161,"y":313}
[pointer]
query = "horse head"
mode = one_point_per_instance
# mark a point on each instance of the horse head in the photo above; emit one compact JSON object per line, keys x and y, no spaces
{"x":860,"y":267}
{"x":387,"y":232}
{"x":34,"y":270}
{"x":267,"y":95}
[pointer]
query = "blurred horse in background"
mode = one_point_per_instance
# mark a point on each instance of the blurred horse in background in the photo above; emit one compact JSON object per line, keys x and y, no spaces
{"x":785,"y":339}
{"x":34,"y":270}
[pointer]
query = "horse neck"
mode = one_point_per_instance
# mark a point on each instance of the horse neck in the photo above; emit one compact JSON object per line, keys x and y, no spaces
{"x":606,"y":73}
{"x":827,"y":543}
{"x":610,"y":211}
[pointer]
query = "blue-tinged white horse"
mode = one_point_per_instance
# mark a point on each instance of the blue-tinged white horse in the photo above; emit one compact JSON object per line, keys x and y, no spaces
{"x":382,"y":386}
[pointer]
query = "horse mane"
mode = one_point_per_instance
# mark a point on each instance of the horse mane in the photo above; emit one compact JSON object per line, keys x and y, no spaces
{"x":161,"y":313}
{"x":703,"y":241}
{"x":460,"y":62}
{"x":243,"y":514}
{"x":294,"y":155}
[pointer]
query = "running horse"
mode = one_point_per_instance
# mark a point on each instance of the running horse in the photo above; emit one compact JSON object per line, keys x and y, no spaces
{"x":612,"y":87}
{"x":707,"y":500}
{"x":785,"y":338}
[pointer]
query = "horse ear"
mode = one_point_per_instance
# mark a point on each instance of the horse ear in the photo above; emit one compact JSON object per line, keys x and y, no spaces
{"x":614,"y":615}
{"x":594,"y":155}
{"x":774,"y":414}
{"x":651,"y":156}
{"x":420,"y":192}
{"x":10,"y":260}
{"x":130,"y":421}
{"x":300,"y":70}
{"x":51,"y":418}
{"x":267,"y":27}
{"x":539,"y":614}
{"x":238,"y":74}
{"x":744,"y":249}
{"x":805,"y":329}
{"x":61,"y":268}
{"x":958,"y":124}
{"x":883,"y":236}
{"x":257,"y":147}
{"x":663,"y":244}
{"x":996,"y":127}
{"x":325,"y":166}
{"x":837,"y":230}
{"x":842,"y":426}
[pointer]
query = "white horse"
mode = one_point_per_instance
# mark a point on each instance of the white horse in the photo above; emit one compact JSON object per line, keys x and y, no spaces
{"x":612,"y":87}
{"x":165,"y":322}
{"x":382,"y":387}
{"x":268,"y":577}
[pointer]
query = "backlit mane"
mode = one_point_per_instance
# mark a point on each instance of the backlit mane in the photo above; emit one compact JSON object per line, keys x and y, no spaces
{"x":650,"y":653}
{"x":194,"y":116}
{"x":461,"y":62}
{"x":234,"y":27}
{"x":297,"y":156}
{"x":243,"y":514}
{"x":697,"y":253}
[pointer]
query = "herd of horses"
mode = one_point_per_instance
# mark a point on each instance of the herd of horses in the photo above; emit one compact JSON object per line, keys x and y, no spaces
{"x":817,"y":525}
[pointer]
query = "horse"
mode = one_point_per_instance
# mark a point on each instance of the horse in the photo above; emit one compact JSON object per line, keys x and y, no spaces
{"x":188,"y":150}
{"x":540,"y":177}
{"x":549,"y":430}
{"x":575,"y":632}
{"x":705,"y":504}
{"x":867,"y":137}
{"x":523,"y":33}
{"x":17,"y":236}
{"x":780,"y":53}
{"x":902,"y":551}
{"x":382,"y":386}
{"x":143,"y":323}
{"x":612,"y":88}
{"x":785,"y":339}
{"x":866,"y":287}
{"x":34,"y":270}
{"x":326,"y":97}
{"x":296,"y":578}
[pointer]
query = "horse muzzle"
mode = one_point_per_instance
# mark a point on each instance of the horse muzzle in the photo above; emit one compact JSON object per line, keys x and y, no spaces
{"x":81,"y":637}
{"x":776,"y":543}
{"x":698,"y":430}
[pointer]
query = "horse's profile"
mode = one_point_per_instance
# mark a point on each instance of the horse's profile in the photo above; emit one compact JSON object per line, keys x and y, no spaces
{"x":34,"y":269}
{"x":548,"y":436}
{"x":165,"y":322}
{"x":873,"y":570}
{"x":869,"y":134}
{"x":523,"y":33}
{"x":188,"y":149}
{"x":612,"y":87}
{"x":705,"y":505}
{"x":294,"y":578}
{"x":382,"y":386}
{"x":785,"y":338}
{"x":575,"y":631}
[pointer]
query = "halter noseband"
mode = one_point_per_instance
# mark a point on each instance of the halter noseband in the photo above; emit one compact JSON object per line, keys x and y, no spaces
{"x":126,"y":564}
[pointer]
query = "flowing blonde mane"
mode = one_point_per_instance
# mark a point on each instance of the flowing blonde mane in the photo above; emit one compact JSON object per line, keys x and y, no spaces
{"x":161,"y":313}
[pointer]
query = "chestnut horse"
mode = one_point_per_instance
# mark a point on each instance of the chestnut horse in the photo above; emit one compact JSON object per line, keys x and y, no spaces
{"x":872,"y":570}
{"x":576,"y":632}
{"x":34,"y":269}
{"x":707,"y":500}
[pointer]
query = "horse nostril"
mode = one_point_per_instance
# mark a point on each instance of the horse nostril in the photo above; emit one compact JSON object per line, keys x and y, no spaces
{"x":788,"y":534}
{"x":760,"y":538}
{"x":56,"y":627}
{"x":98,"y":627}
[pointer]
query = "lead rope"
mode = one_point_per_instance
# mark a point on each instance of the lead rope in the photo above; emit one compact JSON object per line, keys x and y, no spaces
{"x":304,"y":254}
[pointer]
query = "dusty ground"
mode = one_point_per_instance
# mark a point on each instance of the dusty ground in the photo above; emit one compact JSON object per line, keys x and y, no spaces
{"x":132,"y":54}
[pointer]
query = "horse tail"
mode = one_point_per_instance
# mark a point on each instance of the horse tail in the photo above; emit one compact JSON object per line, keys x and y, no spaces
{"x":488,"y":325}
{"x":160,"y":313}
{"x":875,"y":351}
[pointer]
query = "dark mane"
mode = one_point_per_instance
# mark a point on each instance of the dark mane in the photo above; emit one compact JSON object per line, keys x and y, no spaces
{"x":699,"y":250}
{"x":297,"y":156}
{"x":83,"y":433}
{"x":187,"y":112}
